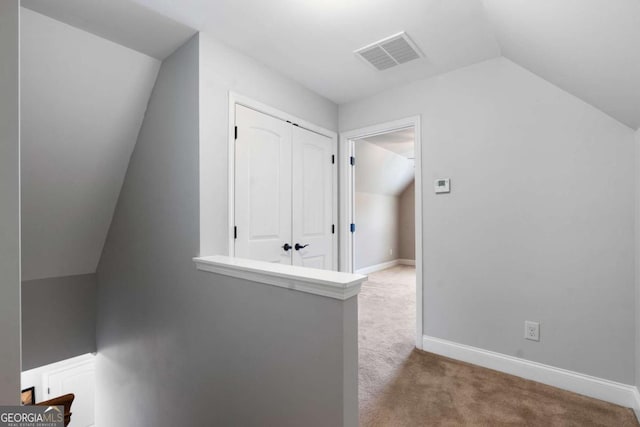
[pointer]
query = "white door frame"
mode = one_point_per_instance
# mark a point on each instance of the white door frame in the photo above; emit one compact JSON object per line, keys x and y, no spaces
{"x":237,"y":99}
{"x":347,"y":200}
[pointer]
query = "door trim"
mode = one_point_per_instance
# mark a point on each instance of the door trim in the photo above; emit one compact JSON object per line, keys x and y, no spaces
{"x":237,"y":99}
{"x":347,"y":200}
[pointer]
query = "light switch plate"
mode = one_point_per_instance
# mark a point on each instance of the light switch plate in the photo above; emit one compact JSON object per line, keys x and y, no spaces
{"x":442,"y":185}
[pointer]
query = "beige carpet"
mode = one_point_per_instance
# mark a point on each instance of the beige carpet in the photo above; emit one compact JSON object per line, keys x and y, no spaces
{"x":401,"y":386}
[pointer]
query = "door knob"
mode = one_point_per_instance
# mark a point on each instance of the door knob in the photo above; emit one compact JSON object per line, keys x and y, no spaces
{"x":298,"y":246}
{"x":286,"y":247}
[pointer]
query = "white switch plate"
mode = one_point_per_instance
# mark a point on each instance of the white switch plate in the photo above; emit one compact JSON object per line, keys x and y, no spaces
{"x":532,"y":330}
{"x":442,"y":185}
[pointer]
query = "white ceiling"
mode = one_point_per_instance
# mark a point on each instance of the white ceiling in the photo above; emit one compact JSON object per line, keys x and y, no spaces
{"x":121,"y":21}
{"x":83,"y":101}
{"x":590,"y":48}
{"x":312,"y":41}
{"x":400,"y":142}
{"x":381,"y":171}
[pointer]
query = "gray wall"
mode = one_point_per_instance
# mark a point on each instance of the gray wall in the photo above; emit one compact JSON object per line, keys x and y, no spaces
{"x":385,"y":227}
{"x":177,"y":346}
{"x":377,"y":222}
{"x":83,"y":100}
{"x":540,"y":221}
{"x":9,"y":202}
{"x":58,"y":319}
{"x":407,"y":223}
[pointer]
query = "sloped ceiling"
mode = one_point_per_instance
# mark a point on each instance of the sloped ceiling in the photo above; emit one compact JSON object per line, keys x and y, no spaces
{"x":381,"y":171}
{"x":312,"y":41}
{"x":83,"y":101}
{"x":121,"y":21}
{"x":590,"y":48}
{"x":400,"y":142}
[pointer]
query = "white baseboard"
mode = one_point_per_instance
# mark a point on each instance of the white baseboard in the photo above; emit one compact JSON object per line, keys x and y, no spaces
{"x":385,"y":265}
{"x":378,"y":267}
{"x":636,"y":408}
{"x":609,"y":391}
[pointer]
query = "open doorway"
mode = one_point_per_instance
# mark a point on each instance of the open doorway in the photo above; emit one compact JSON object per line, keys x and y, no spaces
{"x":384,"y":201}
{"x":406,"y":149}
{"x":382,"y":208}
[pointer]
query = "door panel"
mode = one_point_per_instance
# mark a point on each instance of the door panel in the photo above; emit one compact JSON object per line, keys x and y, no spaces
{"x":262,"y":186}
{"x":313,"y":175}
{"x":79,"y":380}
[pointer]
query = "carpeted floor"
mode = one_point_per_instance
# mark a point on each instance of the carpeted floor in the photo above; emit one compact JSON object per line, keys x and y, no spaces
{"x":402,"y":386}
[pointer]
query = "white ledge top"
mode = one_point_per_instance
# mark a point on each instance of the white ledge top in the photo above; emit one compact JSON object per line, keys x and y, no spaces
{"x":332,"y":284}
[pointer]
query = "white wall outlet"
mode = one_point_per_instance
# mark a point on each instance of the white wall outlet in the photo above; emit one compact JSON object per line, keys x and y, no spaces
{"x":532,"y":330}
{"x":390,"y":251}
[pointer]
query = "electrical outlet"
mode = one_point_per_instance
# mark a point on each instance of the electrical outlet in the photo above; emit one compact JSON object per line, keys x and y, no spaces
{"x":390,"y":251}
{"x":532,"y":330}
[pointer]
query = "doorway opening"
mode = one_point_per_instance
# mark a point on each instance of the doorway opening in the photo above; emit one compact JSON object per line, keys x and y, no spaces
{"x":381,"y":206}
{"x":384,"y":196}
{"x":378,"y":163}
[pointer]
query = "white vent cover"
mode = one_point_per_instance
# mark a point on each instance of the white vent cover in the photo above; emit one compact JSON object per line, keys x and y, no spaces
{"x":389,"y":52}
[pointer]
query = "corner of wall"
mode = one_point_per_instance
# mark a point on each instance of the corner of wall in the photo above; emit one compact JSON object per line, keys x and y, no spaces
{"x":637,"y":256}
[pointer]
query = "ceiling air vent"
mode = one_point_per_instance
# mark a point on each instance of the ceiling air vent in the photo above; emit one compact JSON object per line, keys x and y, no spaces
{"x":389,"y":52}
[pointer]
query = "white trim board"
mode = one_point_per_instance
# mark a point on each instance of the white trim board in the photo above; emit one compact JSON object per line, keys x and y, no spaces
{"x":378,"y":267}
{"x":385,"y":265}
{"x":598,"y":388}
{"x":636,"y":408}
{"x":327,"y":283}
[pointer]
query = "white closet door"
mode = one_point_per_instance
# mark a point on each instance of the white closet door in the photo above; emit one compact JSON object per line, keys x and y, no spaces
{"x":79,"y":380}
{"x":312,"y":199}
{"x":262,"y":187}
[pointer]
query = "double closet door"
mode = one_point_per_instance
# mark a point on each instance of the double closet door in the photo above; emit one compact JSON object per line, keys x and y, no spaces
{"x":284,"y":192}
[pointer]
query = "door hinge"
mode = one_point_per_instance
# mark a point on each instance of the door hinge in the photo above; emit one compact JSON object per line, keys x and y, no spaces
{"x":333,"y":229}
{"x":48,"y":390}
{"x":352,"y":228}
{"x":352,"y":160}
{"x":235,"y":232}
{"x":333,"y":158}
{"x":236,"y":133}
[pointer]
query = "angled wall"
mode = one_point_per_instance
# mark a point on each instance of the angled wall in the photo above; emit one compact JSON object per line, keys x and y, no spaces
{"x":540,"y":221}
{"x":9,"y":202}
{"x":83,"y":100}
